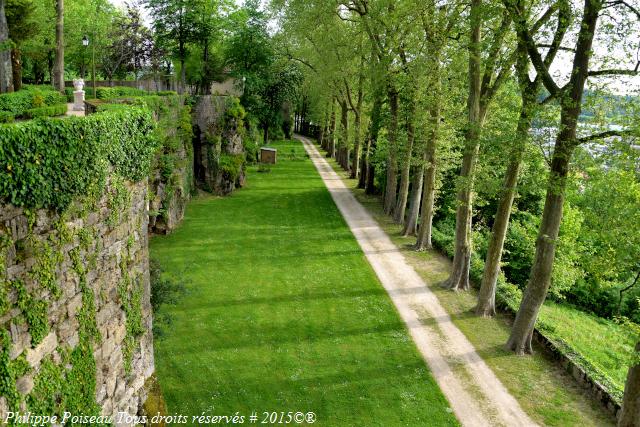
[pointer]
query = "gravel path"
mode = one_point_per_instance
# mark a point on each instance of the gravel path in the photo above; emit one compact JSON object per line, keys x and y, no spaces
{"x":476,"y":396}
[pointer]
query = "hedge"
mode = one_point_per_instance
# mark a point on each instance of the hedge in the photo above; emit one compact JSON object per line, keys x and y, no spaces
{"x":32,"y":97}
{"x":52,"y":111}
{"x":7,"y":117}
{"x":118,"y":91}
{"x":46,"y":163}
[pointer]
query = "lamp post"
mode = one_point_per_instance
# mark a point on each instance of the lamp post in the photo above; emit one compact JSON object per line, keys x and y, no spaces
{"x":85,"y":43}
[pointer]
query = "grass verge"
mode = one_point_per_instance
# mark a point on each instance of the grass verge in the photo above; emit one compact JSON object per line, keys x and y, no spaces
{"x":284,"y":313}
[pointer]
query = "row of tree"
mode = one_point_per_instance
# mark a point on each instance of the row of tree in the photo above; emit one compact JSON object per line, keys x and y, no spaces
{"x":429,"y":86}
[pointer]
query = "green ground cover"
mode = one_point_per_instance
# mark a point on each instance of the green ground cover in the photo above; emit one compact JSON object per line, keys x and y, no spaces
{"x":284,"y":313}
{"x":544,"y":390}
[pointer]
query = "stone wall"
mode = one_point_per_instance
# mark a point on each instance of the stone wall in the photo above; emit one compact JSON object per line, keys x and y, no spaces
{"x":218,"y":147}
{"x":171,"y":179}
{"x":74,"y":306}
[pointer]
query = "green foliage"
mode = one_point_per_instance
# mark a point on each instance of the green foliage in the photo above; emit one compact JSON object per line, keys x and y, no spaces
{"x":52,"y":111}
{"x":130,"y":295}
{"x":7,"y":117}
{"x":8,"y":375}
{"x":34,"y":311}
{"x":18,"y":103}
{"x":118,"y":91}
{"x":231,"y":165}
{"x":118,"y":199}
{"x":46,"y":163}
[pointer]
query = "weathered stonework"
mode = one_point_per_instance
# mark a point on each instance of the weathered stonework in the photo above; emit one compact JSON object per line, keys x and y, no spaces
{"x":118,"y":248}
{"x":216,"y":136}
{"x":170,"y":194}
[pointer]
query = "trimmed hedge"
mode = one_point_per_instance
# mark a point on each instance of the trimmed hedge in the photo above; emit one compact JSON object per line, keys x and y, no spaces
{"x":32,"y":97}
{"x":46,"y":163}
{"x":7,"y":117}
{"x":52,"y":111}
{"x":117,"y":92}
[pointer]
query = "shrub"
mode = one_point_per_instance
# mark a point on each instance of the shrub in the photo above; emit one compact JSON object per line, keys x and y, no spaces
{"x":31,"y":97}
{"x":166,"y":93}
{"x":7,"y":117}
{"x":231,"y":165}
{"x":118,"y":91}
{"x":52,"y":111}
{"x":46,"y":163}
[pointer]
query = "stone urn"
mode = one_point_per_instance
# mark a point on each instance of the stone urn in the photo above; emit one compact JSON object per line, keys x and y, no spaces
{"x":78,"y":95}
{"x":78,"y":84}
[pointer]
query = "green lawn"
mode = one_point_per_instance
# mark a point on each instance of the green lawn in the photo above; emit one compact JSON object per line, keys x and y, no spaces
{"x":284,"y":313}
{"x":606,"y":345}
{"x":544,"y":390}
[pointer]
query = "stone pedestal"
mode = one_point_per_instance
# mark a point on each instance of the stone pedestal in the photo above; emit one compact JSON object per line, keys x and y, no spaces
{"x":78,"y":100}
{"x":78,"y":95}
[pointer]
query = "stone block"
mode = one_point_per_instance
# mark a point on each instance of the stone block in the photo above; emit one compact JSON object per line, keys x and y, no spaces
{"x":74,"y":305}
{"x":34,"y":356}
{"x":24,"y":385}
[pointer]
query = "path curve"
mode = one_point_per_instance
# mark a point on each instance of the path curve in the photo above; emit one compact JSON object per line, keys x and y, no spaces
{"x":444,"y":347}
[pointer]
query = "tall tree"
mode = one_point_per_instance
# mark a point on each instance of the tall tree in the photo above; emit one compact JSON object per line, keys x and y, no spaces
{"x":22,"y":26}
{"x":58,"y":67}
{"x":483,"y":85}
{"x":529,"y":91}
{"x":570,"y":98}
{"x":173,"y":29}
{"x":6,"y":73}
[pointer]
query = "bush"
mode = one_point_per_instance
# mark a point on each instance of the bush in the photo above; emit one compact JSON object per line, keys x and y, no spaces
{"x":46,"y":163}
{"x":7,"y":117}
{"x":118,"y":91}
{"x":52,"y":111}
{"x":31,"y":97}
{"x":166,"y":93}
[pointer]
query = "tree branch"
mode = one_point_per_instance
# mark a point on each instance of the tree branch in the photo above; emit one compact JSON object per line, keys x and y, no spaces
{"x":614,"y":72}
{"x":603,"y":135}
{"x":534,"y":54}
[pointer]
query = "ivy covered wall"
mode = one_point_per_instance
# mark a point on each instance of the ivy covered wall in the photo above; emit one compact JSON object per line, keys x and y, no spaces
{"x":75,"y":317}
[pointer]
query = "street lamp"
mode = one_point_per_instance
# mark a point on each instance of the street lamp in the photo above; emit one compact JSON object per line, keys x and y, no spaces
{"x":85,"y":43}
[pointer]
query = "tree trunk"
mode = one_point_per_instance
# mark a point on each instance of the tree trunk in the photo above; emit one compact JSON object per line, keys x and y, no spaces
{"x":405,"y":173}
{"x":630,"y":415}
{"x":355,"y":160}
{"x":428,"y":187}
{"x":486,"y":306}
{"x":571,"y":103}
{"x":16,"y":66}
{"x":423,"y":241}
{"x":332,"y":134}
{"x":265,"y":133}
{"x":414,"y":204}
{"x":344,"y":132}
{"x":374,"y":130}
{"x":6,"y":73}
{"x":391,"y":188}
{"x":487,"y":296}
{"x":364,"y":161}
{"x":459,"y":278}
{"x":355,"y":167}
{"x":58,"y":68}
